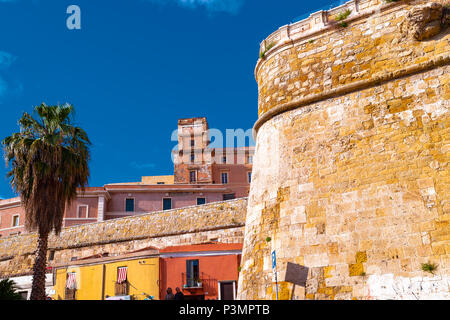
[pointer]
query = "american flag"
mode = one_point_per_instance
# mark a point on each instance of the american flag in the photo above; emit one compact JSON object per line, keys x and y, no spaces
{"x":121,"y":274}
{"x":71,"y":280}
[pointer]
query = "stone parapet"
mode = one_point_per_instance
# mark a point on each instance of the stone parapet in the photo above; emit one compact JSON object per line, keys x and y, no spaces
{"x":327,"y":59}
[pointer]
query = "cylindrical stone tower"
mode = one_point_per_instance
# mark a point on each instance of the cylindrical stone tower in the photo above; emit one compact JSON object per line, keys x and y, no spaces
{"x":351,"y":184}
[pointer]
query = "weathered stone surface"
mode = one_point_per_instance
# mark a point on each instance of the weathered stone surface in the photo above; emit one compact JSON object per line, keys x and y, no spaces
{"x":368,"y":49}
{"x":424,"y":21}
{"x":351,"y":179}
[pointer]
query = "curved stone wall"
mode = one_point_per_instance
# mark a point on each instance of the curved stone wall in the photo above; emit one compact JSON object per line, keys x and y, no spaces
{"x":351,"y":173}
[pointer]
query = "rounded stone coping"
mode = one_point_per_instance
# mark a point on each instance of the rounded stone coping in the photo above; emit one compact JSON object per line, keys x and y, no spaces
{"x":438,"y":61}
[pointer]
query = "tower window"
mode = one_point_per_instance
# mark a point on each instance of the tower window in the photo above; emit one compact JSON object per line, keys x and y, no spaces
{"x":192,"y":157}
{"x":249,"y":174}
{"x":192,"y":176}
{"x":224,"y":177}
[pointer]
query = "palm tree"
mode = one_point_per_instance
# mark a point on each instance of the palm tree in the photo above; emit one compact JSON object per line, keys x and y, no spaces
{"x":49,"y":162}
{"x":8,"y":290}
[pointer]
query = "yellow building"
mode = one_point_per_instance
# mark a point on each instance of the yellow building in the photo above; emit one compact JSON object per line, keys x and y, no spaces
{"x":133,"y":276}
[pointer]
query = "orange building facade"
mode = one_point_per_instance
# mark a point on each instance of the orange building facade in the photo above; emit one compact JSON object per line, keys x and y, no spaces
{"x":202,"y":272}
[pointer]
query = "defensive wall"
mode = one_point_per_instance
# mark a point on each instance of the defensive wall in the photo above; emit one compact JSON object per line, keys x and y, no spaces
{"x":350,"y":183}
{"x":220,"y":221}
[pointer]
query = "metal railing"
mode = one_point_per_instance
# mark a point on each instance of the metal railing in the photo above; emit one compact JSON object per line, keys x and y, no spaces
{"x":192,"y":282}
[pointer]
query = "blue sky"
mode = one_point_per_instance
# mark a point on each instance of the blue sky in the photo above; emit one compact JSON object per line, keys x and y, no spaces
{"x":134,"y":69}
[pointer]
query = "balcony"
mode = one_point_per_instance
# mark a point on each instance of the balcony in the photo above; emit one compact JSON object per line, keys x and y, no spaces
{"x":121,"y":289}
{"x":198,"y":284}
{"x":192,"y":282}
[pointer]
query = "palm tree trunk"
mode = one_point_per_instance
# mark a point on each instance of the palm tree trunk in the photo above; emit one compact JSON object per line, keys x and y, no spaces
{"x":40,"y":262}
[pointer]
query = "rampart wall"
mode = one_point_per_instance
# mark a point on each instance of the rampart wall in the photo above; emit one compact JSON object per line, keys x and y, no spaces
{"x":351,"y":181}
{"x":219,"y":221}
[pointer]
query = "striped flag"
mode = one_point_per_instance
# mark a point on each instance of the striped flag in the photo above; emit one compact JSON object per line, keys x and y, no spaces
{"x":71,"y":280}
{"x":121,"y":274}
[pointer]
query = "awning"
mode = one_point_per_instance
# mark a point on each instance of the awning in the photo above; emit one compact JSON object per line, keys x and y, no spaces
{"x":121,"y":274}
{"x":71,"y":280}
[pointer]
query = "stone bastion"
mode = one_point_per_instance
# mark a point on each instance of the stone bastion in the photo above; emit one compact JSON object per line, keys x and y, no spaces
{"x":350,"y":182}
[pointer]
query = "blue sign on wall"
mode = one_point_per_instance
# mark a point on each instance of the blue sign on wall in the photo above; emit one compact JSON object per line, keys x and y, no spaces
{"x":274,"y":260}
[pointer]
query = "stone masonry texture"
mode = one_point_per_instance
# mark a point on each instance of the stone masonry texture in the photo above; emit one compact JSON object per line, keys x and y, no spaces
{"x":219,"y":221}
{"x":351,"y":171}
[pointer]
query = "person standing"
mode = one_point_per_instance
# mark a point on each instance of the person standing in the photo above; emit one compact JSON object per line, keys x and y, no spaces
{"x":179,"y":295}
{"x":169,"y":295}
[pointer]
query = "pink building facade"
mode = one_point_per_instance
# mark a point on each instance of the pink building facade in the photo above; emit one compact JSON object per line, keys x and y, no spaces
{"x":210,"y":175}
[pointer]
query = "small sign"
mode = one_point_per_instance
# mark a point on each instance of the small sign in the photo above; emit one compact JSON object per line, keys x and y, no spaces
{"x":296,"y":274}
{"x":274,"y":267}
{"x":274,"y":260}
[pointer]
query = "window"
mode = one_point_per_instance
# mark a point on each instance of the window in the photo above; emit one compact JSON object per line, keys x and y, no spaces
{"x":224,"y":159}
{"x":82,"y":211}
{"x":167,"y":203}
{"x":192,"y":176}
{"x":15,"y":221}
{"x":201,"y":201}
{"x":228,"y":196}
{"x":192,"y":273}
{"x":224,"y":177}
{"x":249,"y":174}
{"x":51,"y":255}
{"x":249,"y":159}
{"x":71,"y":286}
{"x":71,"y":281}
{"x":160,"y":183}
{"x":129,"y":205}
{"x":192,"y":157}
{"x":192,"y":142}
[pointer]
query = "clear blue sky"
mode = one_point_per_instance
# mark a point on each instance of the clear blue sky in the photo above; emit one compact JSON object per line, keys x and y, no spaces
{"x":134,"y":68}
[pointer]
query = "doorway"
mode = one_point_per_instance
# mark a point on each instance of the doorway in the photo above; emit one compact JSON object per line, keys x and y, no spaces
{"x":227,"y":290}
